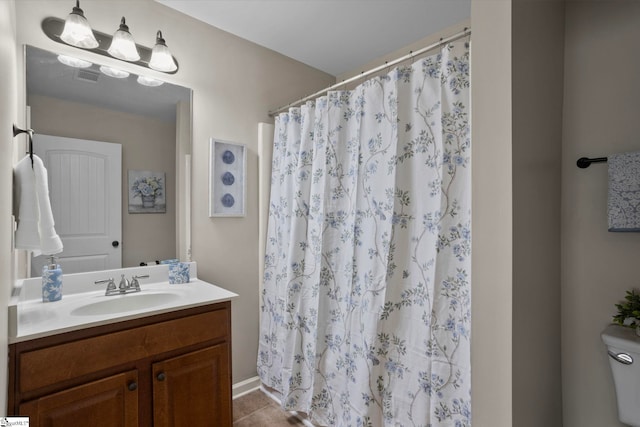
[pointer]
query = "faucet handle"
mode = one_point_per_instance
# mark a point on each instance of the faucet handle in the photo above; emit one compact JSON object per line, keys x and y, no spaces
{"x":134,"y":281}
{"x":111,"y":284}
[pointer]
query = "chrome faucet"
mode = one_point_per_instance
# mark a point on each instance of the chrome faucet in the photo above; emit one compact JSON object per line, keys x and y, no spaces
{"x":124,"y":287}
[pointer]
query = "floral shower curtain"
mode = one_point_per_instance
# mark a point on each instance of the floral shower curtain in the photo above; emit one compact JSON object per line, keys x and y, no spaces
{"x":366,"y":309}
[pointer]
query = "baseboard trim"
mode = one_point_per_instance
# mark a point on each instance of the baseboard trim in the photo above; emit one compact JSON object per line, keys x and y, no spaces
{"x":245,"y":387}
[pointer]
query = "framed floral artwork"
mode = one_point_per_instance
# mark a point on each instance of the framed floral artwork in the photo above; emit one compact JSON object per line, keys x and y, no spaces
{"x":147,"y":192}
{"x":227,"y":164}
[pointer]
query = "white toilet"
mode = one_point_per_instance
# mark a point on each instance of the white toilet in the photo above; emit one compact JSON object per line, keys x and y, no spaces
{"x":623,"y":346}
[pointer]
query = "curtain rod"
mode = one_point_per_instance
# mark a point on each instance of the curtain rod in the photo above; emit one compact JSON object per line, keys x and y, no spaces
{"x":463,"y":33}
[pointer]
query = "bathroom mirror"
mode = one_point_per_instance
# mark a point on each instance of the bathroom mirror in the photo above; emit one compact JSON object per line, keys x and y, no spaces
{"x":152,"y":124}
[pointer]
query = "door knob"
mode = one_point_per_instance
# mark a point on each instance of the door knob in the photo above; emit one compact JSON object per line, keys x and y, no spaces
{"x":161,"y":376}
{"x":115,"y":243}
{"x":132,"y":386}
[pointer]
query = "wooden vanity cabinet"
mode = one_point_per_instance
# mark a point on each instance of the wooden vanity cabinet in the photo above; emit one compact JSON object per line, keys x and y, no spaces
{"x":172,"y":369}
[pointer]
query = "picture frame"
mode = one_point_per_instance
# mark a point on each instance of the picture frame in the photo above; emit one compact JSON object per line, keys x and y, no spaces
{"x":227,"y":178}
{"x":147,"y":192}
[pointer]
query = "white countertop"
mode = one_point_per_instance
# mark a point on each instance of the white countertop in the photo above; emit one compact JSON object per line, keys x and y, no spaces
{"x":31,"y":318}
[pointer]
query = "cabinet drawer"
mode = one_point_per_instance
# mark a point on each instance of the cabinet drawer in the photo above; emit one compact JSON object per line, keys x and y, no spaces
{"x":48,"y":366}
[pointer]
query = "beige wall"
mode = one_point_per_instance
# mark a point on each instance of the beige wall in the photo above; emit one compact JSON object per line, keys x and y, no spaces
{"x":147,"y":144}
{"x":8,"y":116}
{"x":601,"y":112}
{"x":537,"y":79}
{"x":491,"y":329}
{"x":517,"y":78}
{"x":235,"y":83}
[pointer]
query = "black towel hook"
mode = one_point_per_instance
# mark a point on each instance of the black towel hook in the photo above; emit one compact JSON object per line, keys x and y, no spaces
{"x":17,"y":131}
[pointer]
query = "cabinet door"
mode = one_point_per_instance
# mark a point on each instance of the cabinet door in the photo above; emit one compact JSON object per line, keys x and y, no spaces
{"x":108,"y":402}
{"x":193,"y":390}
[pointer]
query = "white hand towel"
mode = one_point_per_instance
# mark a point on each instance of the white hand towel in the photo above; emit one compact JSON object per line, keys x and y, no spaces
{"x":35,"y":230}
{"x":26,"y":213}
{"x":50,"y":242}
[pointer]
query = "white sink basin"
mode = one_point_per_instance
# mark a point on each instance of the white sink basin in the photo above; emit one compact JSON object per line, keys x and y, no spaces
{"x":124,"y":303}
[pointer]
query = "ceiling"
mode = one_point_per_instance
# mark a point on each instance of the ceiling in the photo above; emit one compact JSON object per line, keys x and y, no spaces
{"x":335,"y":36}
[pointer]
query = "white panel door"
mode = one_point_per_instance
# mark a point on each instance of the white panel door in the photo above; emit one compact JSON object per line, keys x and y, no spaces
{"x":85,"y":183}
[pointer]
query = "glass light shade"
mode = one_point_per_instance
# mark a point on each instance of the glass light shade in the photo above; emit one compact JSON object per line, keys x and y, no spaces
{"x":74,"y":62}
{"x":77,"y":31}
{"x":149,"y":81}
{"x":113,"y":72}
{"x":161,"y":58}
{"x":122,"y":46}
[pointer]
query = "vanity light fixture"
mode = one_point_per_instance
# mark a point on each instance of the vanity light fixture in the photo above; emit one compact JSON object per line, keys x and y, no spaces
{"x":114,"y":72}
{"x":122,"y":45}
{"x":149,"y":81}
{"x":77,"y":31}
{"x":161,"y":58}
{"x":74,"y":62}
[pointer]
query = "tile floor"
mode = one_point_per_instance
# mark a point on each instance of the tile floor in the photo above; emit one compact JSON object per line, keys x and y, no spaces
{"x":256,"y":409}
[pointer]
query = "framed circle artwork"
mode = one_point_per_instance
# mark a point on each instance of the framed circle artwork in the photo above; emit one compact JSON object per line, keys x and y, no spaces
{"x":227,"y":175}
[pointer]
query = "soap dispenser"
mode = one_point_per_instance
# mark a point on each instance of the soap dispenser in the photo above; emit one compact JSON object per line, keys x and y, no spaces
{"x":51,"y":281}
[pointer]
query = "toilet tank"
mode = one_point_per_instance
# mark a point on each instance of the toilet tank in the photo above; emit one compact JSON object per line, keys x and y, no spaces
{"x":623,"y":346}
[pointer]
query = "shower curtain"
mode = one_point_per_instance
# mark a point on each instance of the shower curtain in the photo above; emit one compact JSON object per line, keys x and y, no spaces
{"x":366,"y":308}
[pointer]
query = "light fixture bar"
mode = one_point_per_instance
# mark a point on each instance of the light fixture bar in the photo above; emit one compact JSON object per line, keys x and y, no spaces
{"x":53,"y":27}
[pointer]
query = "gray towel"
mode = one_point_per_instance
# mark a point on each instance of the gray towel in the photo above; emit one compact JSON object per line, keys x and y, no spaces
{"x":624,"y":192}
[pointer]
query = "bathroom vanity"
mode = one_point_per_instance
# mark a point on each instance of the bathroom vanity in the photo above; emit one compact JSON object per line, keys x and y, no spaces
{"x":166,"y":364}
